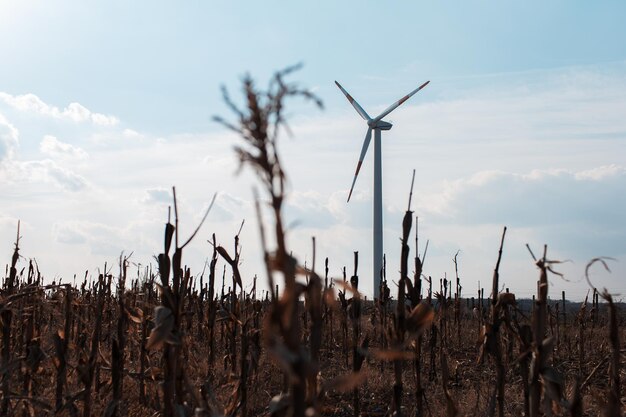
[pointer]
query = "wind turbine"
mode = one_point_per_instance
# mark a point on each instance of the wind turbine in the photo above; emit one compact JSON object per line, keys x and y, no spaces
{"x":378,"y":125}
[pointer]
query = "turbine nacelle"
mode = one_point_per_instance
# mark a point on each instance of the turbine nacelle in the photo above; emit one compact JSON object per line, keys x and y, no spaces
{"x":382,"y":125}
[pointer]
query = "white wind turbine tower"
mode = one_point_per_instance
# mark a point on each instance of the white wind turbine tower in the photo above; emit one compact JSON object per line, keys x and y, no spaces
{"x":378,"y":125}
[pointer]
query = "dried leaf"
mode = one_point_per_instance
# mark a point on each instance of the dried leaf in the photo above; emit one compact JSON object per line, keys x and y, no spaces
{"x":237,"y":275}
{"x":225,"y":255}
{"x":300,"y":270}
{"x":420,"y":318}
{"x":135,"y":314}
{"x":163,"y":326}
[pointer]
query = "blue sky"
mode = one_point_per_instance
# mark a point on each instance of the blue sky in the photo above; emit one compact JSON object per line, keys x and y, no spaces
{"x":104,"y":106}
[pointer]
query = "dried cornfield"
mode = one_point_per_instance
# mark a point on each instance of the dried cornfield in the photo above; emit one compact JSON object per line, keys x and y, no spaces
{"x":168,"y":341}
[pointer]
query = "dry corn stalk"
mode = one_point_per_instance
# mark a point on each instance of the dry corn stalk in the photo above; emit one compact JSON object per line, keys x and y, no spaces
{"x":259,"y":125}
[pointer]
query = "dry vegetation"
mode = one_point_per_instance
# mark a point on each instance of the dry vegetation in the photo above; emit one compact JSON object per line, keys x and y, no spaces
{"x":169,"y":342}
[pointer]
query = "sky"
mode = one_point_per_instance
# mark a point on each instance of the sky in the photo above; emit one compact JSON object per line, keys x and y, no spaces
{"x":104,"y":106}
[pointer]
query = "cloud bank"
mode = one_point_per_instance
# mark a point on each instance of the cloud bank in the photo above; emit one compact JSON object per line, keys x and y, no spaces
{"x":74,"y":111}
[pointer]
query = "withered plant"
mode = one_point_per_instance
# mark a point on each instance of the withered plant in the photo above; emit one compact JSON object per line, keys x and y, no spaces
{"x":259,"y":123}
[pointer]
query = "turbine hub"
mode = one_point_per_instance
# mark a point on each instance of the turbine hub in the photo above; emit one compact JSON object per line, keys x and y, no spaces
{"x":381,"y":125}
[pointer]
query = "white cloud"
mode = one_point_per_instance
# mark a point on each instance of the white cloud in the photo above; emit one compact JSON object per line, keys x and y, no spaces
{"x":314,"y":210}
{"x":601,"y":173}
{"x":46,"y":171}
{"x":228,"y":207}
{"x":14,"y":170}
{"x":8,"y":139}
{"x":8,"y":223}
{"x":132,"y":134}
{"x":157,"y":196}
{"x":101,"y":239}
{"x":575,"y":210}
{"x":74,"y":111}
{"x":53,"y":147}
{"x":309,"y":209}
{"x":540,"y":195}
{"x":222,"y":162}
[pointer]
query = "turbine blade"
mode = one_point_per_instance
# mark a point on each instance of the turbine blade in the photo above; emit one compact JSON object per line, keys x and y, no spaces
{"x":354,"y":103}
{"x":366,"y":144}
{"x":398,"y":103}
